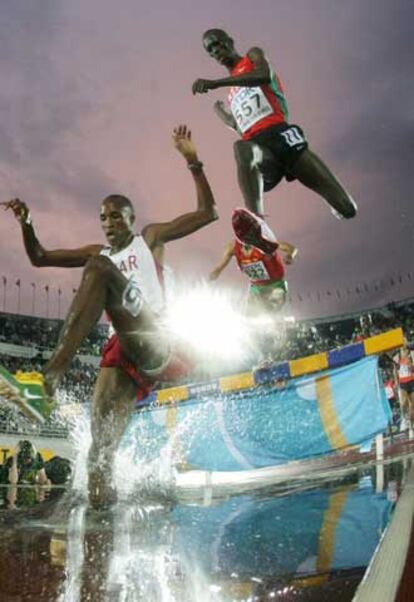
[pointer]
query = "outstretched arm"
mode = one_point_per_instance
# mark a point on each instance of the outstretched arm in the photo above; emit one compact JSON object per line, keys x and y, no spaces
{"x":40,"y":257}
{"x":224,"y":262}
{"x":261,"y":74}
{"x":157,"y":235}
{"x":289,"y":252}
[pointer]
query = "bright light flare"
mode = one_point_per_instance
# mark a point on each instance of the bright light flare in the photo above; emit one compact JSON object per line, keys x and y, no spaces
{"x":207,"y":320}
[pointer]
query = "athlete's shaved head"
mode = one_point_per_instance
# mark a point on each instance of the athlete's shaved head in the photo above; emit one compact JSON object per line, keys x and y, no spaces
{"x":119,"y":201}
{"x":220,"y":47}
{"x":218,"y":35}
{"x":117,"y":219}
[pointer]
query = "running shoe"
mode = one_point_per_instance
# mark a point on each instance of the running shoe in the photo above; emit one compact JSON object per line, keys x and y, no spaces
{"x":26,"y":391}
{"x":253,"y":230}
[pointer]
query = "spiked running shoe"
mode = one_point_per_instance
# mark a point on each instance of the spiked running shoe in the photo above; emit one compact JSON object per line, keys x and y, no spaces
{"x":253,"y":230}
{"x":26,"y":391}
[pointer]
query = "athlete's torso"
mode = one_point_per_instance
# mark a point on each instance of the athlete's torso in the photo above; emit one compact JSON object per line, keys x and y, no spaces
{"x":258,"y":267}
{"x":137,"y":263}
{"x":256,"y":108}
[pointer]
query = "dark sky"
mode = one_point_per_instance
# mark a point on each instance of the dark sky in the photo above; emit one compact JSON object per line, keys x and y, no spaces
{"x":91,"y":90}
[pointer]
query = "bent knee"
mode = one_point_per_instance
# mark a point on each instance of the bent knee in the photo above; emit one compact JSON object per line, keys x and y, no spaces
{"x":350,"y":210}
{"x":99,"y":263}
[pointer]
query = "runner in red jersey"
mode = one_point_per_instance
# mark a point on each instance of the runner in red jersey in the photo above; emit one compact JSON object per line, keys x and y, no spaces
{"x":259,"y":107}
{"x":271,"y":148}
{"x":265,"y":271}
{"x":404,"y":375}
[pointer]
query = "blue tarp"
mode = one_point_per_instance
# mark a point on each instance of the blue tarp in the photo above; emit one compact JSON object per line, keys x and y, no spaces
{"x":310,"y":416}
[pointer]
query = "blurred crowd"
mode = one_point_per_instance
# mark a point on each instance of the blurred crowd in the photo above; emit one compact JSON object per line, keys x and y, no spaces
{"x":43,"y":333}
{"x":308,"y":337}
{"x":290,"y":340}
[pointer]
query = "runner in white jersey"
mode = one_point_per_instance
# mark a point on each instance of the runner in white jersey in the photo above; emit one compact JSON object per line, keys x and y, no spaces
{"x":139,"y":352}
{"x":168,"y":284}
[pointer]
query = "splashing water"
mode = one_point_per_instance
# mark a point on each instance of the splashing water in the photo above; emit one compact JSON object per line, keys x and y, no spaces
{"x":81,"y":439}
{"x":74,"y":555}
{"x":130,"y":554}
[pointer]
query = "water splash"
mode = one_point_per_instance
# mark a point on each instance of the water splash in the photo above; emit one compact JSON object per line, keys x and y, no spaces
{"x":143,"y":564}
{"x":81,"y":439}
{"x":74,"y":555}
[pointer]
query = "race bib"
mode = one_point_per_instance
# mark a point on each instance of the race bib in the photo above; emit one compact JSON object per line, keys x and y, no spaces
{"x":248,"y":105}
{"x":256,"y":271}
{"x":404,"y":371}
{"x":132,"y":298}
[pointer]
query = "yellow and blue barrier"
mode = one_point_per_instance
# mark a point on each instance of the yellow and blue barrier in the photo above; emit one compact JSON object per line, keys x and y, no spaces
{"x":284,"y":370}
{"x":241,"y":427}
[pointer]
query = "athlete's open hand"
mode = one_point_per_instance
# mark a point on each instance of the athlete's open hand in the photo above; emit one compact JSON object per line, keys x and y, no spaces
{"x":201,"y":86}
{"x":19,"y":208}
{"x":290,"y":255}
{"x":184,"y":144}
{"x":220,"y":108}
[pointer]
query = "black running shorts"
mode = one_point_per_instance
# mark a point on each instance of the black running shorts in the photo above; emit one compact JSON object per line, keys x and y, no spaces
{"x":408,"y":387}
{"x":283,"y":144}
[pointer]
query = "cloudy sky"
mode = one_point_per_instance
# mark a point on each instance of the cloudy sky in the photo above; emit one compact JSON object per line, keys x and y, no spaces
{"x":91,"y":90}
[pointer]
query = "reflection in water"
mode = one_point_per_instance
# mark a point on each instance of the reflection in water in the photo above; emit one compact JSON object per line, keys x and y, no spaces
{"x":273,"y":545}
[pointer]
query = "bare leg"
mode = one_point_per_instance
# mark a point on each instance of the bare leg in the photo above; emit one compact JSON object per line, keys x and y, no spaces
{"x":248,"y":157}
{"x":12,"y":496}
{"x":314,"y":174}
{"x":112,"y":406}
{"x":405,"y":406}
{"x":263,"y":312}
{"x":101,"y":288}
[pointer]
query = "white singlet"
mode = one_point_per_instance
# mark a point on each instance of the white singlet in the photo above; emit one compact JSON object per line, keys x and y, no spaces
{"x":169,"y":285}
{"x":137,"y":263}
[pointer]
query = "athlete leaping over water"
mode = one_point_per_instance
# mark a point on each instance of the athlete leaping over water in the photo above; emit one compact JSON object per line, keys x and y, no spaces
{"x":271,"y":148}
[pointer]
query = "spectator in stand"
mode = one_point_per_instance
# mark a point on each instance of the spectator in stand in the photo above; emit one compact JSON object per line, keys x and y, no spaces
{"x":26,"y":467}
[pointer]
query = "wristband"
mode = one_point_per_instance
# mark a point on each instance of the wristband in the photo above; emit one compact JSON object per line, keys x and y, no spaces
{"x":195,"y":166}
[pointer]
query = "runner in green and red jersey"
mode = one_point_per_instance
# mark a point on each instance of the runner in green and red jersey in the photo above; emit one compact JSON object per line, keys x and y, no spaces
{"x":264,"y":270}
{"x":270,"y":147}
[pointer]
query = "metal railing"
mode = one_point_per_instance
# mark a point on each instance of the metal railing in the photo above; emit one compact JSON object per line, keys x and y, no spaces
{"x":51,"y":431}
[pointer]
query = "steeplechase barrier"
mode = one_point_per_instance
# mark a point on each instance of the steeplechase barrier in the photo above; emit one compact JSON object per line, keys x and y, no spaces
{"x":296,"y":410}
